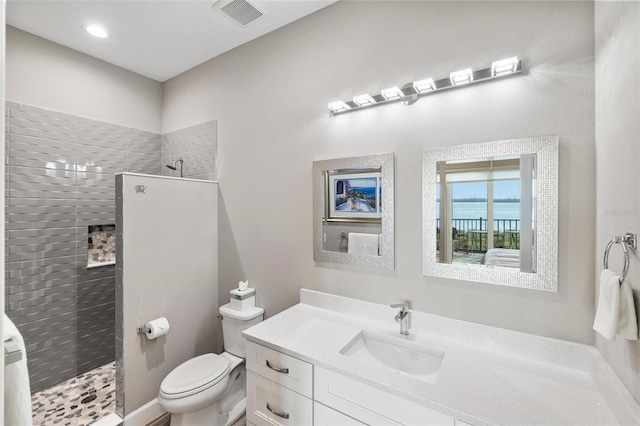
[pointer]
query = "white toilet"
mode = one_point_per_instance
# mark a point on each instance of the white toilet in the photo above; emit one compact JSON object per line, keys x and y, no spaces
{"x":211,"y":389}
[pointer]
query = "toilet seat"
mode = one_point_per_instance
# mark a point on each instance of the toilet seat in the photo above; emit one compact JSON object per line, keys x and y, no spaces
{"x":194,"y":376}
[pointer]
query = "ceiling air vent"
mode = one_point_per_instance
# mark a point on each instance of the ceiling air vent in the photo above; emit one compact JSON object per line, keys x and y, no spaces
{"x":240,"y":11}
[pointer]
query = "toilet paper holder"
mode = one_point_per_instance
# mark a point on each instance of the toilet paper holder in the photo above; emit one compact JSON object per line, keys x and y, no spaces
{"x":143,"y":329}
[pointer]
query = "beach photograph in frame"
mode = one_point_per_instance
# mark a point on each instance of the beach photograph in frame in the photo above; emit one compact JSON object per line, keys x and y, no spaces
{"x":354,"y":196}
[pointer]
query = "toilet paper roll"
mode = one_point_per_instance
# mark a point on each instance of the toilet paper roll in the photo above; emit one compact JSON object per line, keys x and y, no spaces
{"x":156,"y":328}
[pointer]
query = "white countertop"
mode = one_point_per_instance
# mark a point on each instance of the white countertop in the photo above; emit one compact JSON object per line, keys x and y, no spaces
{"x":488,"y":375}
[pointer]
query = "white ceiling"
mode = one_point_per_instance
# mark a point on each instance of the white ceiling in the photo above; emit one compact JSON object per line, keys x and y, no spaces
{"x":158,"y":39}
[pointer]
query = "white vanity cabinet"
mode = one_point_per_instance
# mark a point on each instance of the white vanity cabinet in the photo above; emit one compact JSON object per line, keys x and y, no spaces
{"x":283,"y":390}
{"x":325,"y":416}
{"x":371,"y":405}
{"x":279,"y":388}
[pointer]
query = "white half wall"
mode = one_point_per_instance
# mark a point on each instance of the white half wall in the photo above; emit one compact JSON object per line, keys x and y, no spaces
{"x":618,"y":155}
{"x":270,"y":99}
{"x":166,"y":266}
{"x":40,"y":72}
{"x":2,"y":184}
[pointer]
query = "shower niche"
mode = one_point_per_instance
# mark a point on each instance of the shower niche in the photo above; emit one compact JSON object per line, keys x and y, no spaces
{"x":101,"y":245}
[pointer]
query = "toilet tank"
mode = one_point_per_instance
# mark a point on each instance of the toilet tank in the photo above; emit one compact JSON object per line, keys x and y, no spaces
{"x":233,"y":322}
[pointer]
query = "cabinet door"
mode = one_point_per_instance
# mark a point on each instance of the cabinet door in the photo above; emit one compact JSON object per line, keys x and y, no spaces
{"x":325,"y":416}
{"x":269,"y":403}
{"x":371,"y":405}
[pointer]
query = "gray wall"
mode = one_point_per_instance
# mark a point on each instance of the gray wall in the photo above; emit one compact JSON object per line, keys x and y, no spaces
{"x":59,"y":181}
{"x":40,"y":72}
{"x":270,"y":99}
{"x":618,"y":154}
{"x":57,"y":303}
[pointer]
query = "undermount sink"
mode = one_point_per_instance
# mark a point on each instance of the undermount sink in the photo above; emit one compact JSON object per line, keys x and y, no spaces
{"x":402,"y":356}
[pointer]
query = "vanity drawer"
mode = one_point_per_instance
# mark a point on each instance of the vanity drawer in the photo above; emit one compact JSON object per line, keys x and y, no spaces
{"x":269,"y":403}
{"x":283,"y":369}
{"x":371,"y":405}
{"x":325,"y":416}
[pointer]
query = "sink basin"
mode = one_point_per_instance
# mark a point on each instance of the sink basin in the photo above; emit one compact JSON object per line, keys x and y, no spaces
{"x":396,"y":354}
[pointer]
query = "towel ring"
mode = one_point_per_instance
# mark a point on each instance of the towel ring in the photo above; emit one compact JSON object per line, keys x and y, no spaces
{"x":629,"y":240}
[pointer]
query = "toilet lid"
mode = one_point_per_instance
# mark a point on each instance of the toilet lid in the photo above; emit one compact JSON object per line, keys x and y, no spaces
{"x":195,"y":375}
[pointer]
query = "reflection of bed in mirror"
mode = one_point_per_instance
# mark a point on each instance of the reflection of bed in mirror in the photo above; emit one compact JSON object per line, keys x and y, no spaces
{"x":502,"y":258}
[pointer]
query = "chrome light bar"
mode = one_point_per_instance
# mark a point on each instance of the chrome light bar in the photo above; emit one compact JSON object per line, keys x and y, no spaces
{"x":410,"y":92}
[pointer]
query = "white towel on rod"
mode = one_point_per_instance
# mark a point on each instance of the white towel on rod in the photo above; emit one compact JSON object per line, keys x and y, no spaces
{"x":616,"y":313}
{"x":366,"y":244}
{"x":627,"y":319}
{"x":17,"y":393}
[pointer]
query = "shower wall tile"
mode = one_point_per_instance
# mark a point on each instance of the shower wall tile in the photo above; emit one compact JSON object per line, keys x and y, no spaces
{"x":42,"y":123}
{"x":143,"y":152}
{"x":95,"y":344}
{"x":97,"y":134}
{"x":53,"y":364}
{"x":143,"y":163}
{"x":197,"y":145}
{"x":60,"y":180}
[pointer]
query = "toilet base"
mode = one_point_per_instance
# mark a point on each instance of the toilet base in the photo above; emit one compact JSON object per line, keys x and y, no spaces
{"x":205,"y":415}
{"x":236,"y":416}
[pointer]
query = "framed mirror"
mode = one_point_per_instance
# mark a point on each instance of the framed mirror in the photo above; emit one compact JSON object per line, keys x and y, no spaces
{"x":490,"y":212}
{"x":353,"y":202}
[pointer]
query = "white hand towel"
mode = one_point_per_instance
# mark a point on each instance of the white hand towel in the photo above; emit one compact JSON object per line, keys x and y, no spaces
{"x":627,"y":320}
{"x":17,"y":394}
{"x":366,"y":244}
{"x":616,"y":313}
{"x":606,"y":322}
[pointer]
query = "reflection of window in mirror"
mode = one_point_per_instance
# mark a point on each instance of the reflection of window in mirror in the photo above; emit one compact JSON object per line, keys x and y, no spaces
{"x":485,"y":212}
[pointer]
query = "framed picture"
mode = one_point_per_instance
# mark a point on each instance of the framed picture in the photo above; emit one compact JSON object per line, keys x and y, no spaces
{"x":354,"y":196}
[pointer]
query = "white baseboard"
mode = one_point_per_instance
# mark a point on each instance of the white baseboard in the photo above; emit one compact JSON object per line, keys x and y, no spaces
{"x":145,"y":414}
{"x":110,"y":420}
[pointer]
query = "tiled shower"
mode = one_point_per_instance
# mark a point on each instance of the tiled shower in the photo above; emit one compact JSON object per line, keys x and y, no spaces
{"x":60,"y":180}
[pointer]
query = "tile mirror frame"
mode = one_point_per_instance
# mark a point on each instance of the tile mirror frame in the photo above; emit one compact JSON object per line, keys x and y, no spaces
{"x":385,"y":162}
{"x":546,"y":276}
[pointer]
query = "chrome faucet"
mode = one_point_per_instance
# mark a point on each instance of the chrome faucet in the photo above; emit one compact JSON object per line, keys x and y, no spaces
{"x":402,"y":317}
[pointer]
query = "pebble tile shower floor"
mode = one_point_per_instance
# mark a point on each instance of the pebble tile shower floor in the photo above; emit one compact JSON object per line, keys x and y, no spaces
{"x":79,"y":401}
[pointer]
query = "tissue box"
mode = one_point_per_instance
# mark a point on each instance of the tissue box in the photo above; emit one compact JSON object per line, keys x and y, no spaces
{"x":243,"y":300}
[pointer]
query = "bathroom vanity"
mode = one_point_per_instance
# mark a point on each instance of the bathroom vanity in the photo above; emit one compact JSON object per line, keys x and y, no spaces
{"x":332,"y":360}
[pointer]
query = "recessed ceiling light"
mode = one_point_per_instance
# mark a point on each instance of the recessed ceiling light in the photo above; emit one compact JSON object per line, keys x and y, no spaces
{"x":96,"y":31}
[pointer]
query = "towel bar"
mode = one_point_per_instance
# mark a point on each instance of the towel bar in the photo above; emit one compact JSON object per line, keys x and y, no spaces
{"x":12,"y":352}
{"x":626,"y":241}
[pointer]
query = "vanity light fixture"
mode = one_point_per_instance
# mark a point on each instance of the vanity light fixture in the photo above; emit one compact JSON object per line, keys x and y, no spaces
{"x":363,"y":100}
{"x":461,"y":77}
{"x":424,"y":86}
{"x":411,"y":92}
{"x":392,"y":93}
{"x":338,"y":106}
{"x":96,"y":31}
{"x":505,"y":66}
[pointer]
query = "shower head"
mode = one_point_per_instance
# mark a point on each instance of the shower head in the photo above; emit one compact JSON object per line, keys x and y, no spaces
{"x":174,"y":166}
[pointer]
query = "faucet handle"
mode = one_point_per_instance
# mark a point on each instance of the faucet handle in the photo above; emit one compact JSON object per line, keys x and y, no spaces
{"x":402,"y":305}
